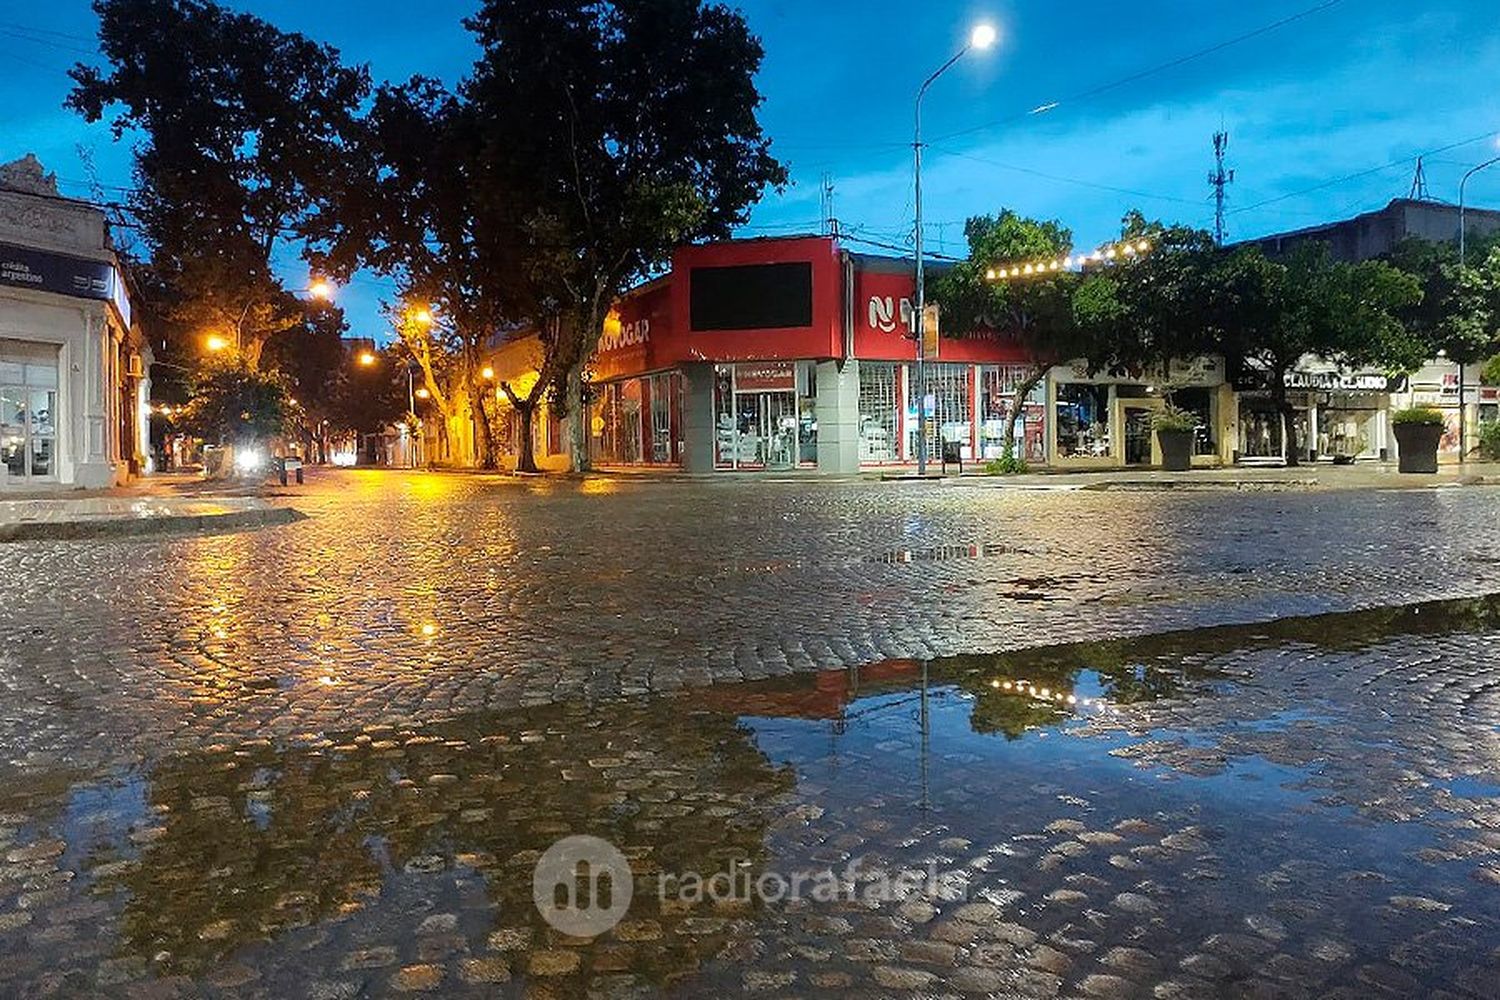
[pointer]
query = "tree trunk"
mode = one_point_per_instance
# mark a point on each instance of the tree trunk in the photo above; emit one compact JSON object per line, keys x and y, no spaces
{"x":578,"y":421}
{"x":1022,"y":391}
{"x":525,"y":452}
{"x":484,"y":431}
{"x":250,"y":351}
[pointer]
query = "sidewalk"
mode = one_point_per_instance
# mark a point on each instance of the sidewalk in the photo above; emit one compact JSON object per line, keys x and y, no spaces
{"x":157,"y":505}
{"x":1364,"y":476}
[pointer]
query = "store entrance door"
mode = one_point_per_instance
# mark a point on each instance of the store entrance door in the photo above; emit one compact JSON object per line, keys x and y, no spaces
{"x":1137,"y":435}
{"x":767,"y":429}
{"x":28,"y":409}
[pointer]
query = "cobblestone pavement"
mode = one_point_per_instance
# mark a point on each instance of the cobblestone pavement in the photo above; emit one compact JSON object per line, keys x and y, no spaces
{"x":321,"y":759}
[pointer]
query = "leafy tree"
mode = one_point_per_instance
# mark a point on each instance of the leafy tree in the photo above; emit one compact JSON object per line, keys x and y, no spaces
{"x":367,"y":398}
{"x":1125,"y":316}
{"x":232,"y":403}
{"x":620,"y":129}
{"x":1144,"y":314}
{"x":1034,"y":312}
{"x":1459,"y":312}
{"x":241,"y":131}
{"x":1265,"y":315}
{"x":429,"y":208}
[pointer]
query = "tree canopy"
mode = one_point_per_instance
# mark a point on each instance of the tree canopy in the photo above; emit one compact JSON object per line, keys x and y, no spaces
{"x":241,"y":128}
{"x":622,"y":128}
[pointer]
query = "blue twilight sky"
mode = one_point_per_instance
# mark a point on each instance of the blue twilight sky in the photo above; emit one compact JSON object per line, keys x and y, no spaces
{"x":1326,"y":113}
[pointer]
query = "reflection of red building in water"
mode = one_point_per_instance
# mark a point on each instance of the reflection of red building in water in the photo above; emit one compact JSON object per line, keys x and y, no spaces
{"x":822,"y":695}
{"x":785,"y":353}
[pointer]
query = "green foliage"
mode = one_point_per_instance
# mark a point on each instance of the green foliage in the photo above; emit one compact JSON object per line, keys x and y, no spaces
{"x":624,"y":128}
{"x":1142,"y":313}
{"x":1422,"y":415}
{"x":1036,"y":312}
{"x":1490,"y":374}
{"x":233,"y":403}
{"x":1489,"y":439}
{"x":241,"y":135}
{"x":1006,"y":465}
{"x":1273,"y":312}
{"x":1172,"y":418}
{"x":1459,"y":312}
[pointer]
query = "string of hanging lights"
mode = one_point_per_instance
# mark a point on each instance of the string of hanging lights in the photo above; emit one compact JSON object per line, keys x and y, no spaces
{"x":1110,"y":253}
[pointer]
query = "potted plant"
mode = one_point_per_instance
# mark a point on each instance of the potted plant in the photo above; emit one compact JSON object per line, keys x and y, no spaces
{"x":1418,"y":430}
{"x":1175,"y":429}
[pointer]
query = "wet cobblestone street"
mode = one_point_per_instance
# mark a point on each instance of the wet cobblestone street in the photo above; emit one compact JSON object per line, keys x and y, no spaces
{"x":1111,"y":745}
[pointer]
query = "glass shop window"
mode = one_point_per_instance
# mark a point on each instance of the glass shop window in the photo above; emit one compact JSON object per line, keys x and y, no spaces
{"x":1083,"y":421}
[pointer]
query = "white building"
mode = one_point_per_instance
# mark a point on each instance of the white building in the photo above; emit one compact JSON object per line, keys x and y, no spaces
{"x":74,"y":383}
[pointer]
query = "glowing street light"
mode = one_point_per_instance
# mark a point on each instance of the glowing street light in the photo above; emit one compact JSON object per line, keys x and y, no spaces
{"x":421,"y":315}
{"x":982,"y":37}
{"x":321,"y":289}
{"x":487,"y":374}
{"x":366,"y":358}
{"x":216,"y":343}
{"x":423,"y":394}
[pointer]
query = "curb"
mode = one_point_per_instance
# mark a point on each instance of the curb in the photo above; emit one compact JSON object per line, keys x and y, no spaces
{"x":141,"y":527}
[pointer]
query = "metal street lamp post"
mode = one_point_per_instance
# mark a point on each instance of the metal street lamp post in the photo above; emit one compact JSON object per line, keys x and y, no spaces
{"x":981,"y":38}
{"x":1463,"y":242}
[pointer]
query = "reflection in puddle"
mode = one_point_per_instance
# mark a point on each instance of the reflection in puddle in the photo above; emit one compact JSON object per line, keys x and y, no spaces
{"x":1102,"y":817}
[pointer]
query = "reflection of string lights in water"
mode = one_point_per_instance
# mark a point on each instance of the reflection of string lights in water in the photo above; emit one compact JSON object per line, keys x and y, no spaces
{"x":1025,"y":687}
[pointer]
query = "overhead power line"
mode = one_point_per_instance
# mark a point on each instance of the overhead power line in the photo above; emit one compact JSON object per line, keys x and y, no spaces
{"x":1361,"y":173}
{"x":19,"y":26}
{"x":1124,"y":81}
{"x":50,"y":43}
{"x":1069,"y":180}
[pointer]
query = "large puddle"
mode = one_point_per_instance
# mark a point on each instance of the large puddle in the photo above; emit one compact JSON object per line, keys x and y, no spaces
{"x":1305,"y":808}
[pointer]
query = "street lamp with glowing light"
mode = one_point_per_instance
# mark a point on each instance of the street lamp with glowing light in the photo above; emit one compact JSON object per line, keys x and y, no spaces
{"x":321,"y":289}
{"x":421,"y":315}
{"x":216,"y":343}
{"x":487,"y":373}
{"x":981,"y":37}
{"x":366,"y":358}
{"x":423,"y":394}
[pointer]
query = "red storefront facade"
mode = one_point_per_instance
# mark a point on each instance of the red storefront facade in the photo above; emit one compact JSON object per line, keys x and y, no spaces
{"x":787,"y":353}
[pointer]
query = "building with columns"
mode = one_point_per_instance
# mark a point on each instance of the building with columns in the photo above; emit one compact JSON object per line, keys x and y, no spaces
{"x":74,"y":367}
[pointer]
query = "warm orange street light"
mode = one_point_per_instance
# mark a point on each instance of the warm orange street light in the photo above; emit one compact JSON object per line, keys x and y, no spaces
{"x":366,"y":358}
{"x":216,"y":343}
{"x":423,"y":394}
{"x":421,"y":315}
{"x":488,"y":373}
{"x":322,"y":289}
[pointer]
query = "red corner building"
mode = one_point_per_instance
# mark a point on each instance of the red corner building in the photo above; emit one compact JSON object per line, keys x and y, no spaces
{"x":791,"y":353}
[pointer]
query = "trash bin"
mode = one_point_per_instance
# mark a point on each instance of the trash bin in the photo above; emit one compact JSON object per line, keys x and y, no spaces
{"x":290,"y":466}
{"x":953,"y":451}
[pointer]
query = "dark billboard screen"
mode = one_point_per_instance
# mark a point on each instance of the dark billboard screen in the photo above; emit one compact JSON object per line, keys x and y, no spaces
{"x":752,"y":297}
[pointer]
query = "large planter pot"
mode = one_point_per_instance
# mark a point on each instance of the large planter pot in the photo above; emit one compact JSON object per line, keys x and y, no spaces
{"x":1176,"y":450}
{"x":1417,"y":447}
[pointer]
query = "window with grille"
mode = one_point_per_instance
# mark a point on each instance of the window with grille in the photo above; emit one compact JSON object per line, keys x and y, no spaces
{"x":877,"y":412}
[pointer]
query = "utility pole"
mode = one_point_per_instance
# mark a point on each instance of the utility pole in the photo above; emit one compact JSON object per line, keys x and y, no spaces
{"x":1220,"y":179}
{"x":1418,"y":190}
{"x":830,"y":225}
